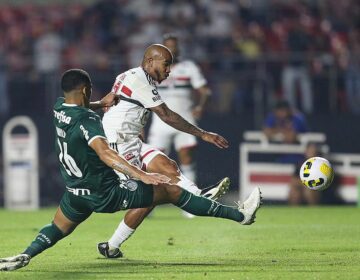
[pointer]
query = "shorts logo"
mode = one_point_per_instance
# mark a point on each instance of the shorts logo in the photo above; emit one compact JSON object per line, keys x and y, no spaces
{"x":125,"y":204}
{"x":78,"y":191}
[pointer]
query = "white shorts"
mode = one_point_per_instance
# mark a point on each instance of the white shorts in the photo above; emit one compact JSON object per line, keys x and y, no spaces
{"x":162,"y":136}
{"x":136,"y":152}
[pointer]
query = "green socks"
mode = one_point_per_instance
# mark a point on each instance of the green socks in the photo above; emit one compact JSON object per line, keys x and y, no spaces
{"x":47,"y":237}
{"x":201,"y":206}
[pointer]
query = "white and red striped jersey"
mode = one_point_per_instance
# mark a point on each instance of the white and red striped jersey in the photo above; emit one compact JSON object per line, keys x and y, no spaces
{"x":177,"y":89}
{"x":137,"y":92}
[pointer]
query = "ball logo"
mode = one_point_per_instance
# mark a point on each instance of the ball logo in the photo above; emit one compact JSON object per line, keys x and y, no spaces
{"x":325,"y":169}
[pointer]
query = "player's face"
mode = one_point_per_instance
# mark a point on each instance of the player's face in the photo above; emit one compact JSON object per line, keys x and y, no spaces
{"x":161,"y":68}
{"x":172,"y":45}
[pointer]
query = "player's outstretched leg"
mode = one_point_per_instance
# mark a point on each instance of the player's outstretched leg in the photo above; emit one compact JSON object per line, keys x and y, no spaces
{"x":133,"y":218}
{"x":164,"y":165}
{"x":201,"y":206}
{"x":48,"y":236}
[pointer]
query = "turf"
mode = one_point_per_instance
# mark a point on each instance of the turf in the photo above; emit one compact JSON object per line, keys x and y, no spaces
{"x":284,"y":243}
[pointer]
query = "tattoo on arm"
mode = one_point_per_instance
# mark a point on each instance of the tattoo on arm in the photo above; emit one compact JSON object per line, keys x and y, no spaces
{"x":124,"y":169}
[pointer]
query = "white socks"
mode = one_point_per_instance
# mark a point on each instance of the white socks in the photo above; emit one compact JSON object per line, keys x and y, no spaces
{"x":121,"y":234}
{"x":188,"y":185}
{"x":189,"y":170}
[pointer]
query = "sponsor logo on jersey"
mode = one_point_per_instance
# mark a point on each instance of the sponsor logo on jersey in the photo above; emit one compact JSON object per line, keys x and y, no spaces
{"x":78,"y":192}
{"x":60,"y":132}
{"x":61,"y":117}
{"x":85,"y":132}
{"x":156,"y":98}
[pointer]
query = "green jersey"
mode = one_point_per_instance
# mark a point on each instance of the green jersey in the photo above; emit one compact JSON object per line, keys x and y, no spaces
{"x":81,"y":168}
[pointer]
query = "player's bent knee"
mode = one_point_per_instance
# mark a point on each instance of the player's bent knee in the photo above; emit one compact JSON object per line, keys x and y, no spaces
{"x":166,"y":166}
{"x":166,"y":194}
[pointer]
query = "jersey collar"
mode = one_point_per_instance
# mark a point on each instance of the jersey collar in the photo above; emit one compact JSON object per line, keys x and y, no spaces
{"x":149,"y":78}
{"x":69,"y":105}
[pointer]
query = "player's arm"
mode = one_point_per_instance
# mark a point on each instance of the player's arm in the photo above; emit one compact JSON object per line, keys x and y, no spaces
{"x":176,"y":121}
{"x":107,"y":101}
{"x":204,"y":93}
{"x":113,"y":160}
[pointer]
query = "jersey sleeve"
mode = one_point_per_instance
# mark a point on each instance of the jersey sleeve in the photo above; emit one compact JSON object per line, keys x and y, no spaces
{"x":91,"y":127}
{"x":116,"y":88}
{"x":196,"y":77}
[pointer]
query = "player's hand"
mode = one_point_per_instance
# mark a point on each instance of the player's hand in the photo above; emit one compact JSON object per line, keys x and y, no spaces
{"x":197,"y":112}
{"x":109,"y":100}
{"x":215,"y":139}
{"x":154,"y":178}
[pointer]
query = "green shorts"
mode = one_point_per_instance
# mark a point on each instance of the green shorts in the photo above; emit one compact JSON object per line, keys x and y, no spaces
{"x":128,"y":194}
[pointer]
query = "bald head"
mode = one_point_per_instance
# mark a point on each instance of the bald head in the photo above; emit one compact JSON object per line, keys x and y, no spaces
{"x":156,"y":61}
{"x":157,"y":51}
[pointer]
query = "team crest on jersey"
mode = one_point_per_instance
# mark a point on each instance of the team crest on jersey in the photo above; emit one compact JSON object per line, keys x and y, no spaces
{"x":129,"y":156}
{"x":131,"y":185}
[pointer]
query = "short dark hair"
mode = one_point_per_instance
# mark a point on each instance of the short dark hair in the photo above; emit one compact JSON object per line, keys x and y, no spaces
{"x":73,"y":78}
{"x":170,"y":36}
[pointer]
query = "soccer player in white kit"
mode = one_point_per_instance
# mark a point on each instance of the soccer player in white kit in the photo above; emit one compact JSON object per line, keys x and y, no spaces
{"x":178,"y":91}
{"x":123,"y":125}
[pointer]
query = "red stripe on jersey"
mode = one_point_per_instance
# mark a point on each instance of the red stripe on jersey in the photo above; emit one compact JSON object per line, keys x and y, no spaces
{"x":182,"y":78}
{"x":126,"y":91}
{"x":146,"y":154}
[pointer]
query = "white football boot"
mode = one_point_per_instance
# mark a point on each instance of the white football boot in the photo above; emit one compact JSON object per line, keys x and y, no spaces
{"x":218,"y":190}
{"x":250,"y":206}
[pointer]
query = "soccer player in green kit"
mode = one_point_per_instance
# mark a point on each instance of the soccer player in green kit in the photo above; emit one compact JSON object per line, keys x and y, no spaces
{"x":87,"y":166}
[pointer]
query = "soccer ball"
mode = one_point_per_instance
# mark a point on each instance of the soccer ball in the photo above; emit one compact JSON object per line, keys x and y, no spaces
{"x":316,"y":173}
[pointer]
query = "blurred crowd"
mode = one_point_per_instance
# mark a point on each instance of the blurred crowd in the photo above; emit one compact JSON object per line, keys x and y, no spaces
{"x":253,"y":53}
{"x":305,"y":51}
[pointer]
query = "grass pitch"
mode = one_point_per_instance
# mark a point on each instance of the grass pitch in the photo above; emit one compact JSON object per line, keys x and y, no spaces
{"x":284,"y":243}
